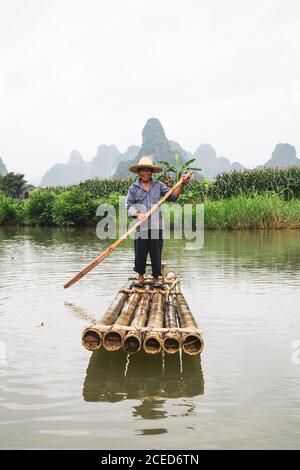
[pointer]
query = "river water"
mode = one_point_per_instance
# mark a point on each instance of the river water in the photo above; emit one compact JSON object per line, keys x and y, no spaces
{"x":244,"y":290}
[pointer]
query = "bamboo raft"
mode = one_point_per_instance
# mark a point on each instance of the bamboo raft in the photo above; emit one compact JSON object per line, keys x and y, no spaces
{"x":153,"y":319}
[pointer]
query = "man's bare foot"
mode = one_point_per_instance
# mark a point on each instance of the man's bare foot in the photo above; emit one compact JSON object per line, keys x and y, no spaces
{"x":157,"y":283}
{"x":140,"y":282}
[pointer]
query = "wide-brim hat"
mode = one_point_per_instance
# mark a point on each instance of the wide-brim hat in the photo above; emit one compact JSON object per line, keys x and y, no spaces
{"x":145,"y":162}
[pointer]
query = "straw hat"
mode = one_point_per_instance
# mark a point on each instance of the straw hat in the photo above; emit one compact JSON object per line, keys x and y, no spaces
{"x":145,"y":162}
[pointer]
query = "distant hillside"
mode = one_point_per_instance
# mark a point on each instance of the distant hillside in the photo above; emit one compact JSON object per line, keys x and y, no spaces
{"x":283,"y":156}
{"x":76,"y":169}
{"x":154,"y":143}
{"x":206,"y":158}
{"x":109,"y":162}
{"x":62,"y":174}
{"x":121,"y":167}
{"x":3,"y":169}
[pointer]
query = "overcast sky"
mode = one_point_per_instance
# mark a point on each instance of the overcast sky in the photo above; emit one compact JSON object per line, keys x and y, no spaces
{"x":78,"y":73}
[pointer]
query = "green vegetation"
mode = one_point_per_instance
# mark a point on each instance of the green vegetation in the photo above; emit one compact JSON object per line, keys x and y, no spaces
{"x":10,"y":210}
{"x":283,"y":181}
{"x":39,"y":207}
{"x":178,"y":169}
{"x":251,"y":199}
{"x":98,"y":188}
{"x":264,"y":211}
{"x":74,"y":207}
{"x":12,"y":184}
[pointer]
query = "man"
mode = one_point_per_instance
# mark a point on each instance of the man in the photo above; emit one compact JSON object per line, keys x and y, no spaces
{"x":142,"y":195}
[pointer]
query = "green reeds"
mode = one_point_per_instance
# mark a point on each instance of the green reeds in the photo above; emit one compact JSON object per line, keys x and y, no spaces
{"x":265,"y":211}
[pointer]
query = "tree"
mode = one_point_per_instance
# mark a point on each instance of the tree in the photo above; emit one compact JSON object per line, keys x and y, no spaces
{"x":12,"y":184}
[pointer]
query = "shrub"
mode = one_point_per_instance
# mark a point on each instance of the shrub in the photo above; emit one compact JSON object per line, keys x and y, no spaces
{"x":10,"y":210}
{"x":39,"y":207}
{"x":74,"y":207}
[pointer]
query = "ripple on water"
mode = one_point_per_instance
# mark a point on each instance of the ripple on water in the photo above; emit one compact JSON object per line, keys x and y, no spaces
{"x":244,"y":292}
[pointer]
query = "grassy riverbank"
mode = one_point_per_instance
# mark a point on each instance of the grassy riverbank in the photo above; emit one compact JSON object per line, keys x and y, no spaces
{"x":264,"y":211}
{"x":250,"y":199}
{"x":77,"y":208}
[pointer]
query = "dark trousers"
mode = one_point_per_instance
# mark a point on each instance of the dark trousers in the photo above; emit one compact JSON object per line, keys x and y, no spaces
{"x":153,"y":245}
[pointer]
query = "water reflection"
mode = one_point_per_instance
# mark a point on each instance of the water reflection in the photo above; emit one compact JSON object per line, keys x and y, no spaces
{"x":80,"y":313}
{"x":112,"y":377}
{"x":243,"y":287}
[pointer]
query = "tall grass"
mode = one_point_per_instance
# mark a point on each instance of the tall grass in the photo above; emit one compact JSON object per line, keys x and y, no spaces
{"x":264,"y":211}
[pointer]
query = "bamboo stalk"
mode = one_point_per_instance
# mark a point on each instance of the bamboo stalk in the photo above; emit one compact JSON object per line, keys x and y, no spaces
{"x":192,"y":343}
{"x":110,"y":249}
{"x":143,"y":329}
{"x":128,"y":310}
{"x":133,"y":340}
{"x":115,"y":307}
{"x":114,"y":338}
{"x":92,"y":339}
{"x":172,"y":340}
{"x":153,"y":340}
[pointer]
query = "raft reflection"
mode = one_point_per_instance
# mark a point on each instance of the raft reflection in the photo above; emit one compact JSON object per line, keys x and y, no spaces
{"x":114,"y":376}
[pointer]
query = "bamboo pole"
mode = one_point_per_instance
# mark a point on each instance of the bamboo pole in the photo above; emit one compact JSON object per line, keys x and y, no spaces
{"x":92,"y":339}
{"x":192,"y":343}
{"x":172,"y":340}
{"x":113,"y":339}
{"x":110,"y":249}
{"x":153,"y":339}
{"x":115,"y":307}
{"x":133,"y":341}
{"x":143,"y":329}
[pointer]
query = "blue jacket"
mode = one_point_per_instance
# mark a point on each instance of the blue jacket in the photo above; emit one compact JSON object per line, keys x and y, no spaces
{"x":140,"y":199}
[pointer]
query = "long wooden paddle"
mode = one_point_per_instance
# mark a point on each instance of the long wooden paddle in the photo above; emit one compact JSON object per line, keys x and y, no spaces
{"x":110,"y":249}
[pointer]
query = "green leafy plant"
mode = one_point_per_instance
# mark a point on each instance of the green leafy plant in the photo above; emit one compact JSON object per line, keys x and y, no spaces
{"x":12,"y":184}
{"x":39,"y":207}
{"x":10,"y":210}
{"x":282,"y":181}
{"x":74,"y":207}
{"x":178,"y":169}
{"x":97,"y":188}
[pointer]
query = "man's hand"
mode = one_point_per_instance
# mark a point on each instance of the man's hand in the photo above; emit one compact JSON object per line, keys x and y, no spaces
{"x":141,"y":216}
{"x":186,"y":178}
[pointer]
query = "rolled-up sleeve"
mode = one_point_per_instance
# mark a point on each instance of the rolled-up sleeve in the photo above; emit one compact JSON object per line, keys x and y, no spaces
{"x":164,"y":189}
{"x":130,"y":201}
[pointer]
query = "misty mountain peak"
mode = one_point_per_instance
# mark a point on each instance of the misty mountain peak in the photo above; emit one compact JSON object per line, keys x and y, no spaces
{"x":205,"y":152}
{"x":3,"y":169}
{"x":207,"y":159}
{"x":153,"y":129}
{"x":75,"y":159}
{"x":284,"y":155}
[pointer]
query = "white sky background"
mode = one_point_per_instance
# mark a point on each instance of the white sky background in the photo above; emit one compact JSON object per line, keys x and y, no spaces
{"x":78,"y":73}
